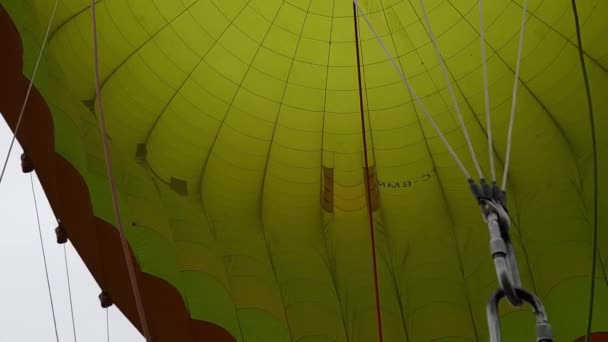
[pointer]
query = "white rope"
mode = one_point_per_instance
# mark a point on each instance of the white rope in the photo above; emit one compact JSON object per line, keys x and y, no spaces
{"x":46,"y":268}
{"x":486,"y":90}
{"x":514,"y":100}
{"x":67,"y":273}
{"x":29,"y":89}
{"x":465,"y":132}
{"x":112,"y":183}
{"x":108,"y":324}
{"x":414,"y":95}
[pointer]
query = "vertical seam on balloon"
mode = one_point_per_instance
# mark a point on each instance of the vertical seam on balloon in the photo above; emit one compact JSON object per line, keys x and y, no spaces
{"x":265,"y":171}
{"x":212,"y":147}
{"x":595,"y":169}
{"x":213,"y":144}
{"x":69,"y":19}
{"x":187,"y":78}
{"x":516,"y":224}
{"x":331,"y":26}
{"x":145,"y":43}
{"x":330,"y":259}
{"x":217,"y":134}
{"x":227,"y":287}
{"x":367,"y":183}
{"x":279,"y":110}
{"x":588,"y":55}
{"x":130,"y":262}
{"x":395,"y":282}
{"x":440,"y":182}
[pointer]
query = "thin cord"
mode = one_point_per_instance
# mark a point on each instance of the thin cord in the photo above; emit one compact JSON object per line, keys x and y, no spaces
{"x":108,"y":323}
{"x":465,"y":132}
{"x":29,"y":90}
{"x":414,"y":95}
{"x":514,"y":100}
{"x":67,"y":272}
{"x":112,"y":184}
{"x":368,"y":191}
{"x":46,"y":270}
{"x":486,"y":91}
{"x":595,"y":169}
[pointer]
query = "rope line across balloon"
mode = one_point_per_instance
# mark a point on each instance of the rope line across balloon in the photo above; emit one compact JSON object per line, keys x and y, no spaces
{"x":465,"y":131}
{"x":29,"y":89}
{"x":520,"y":49}
{"x":4,"y":166}
{"x":112,"y":183}
{"x":486,"y":91}
{"x":368,"y":186}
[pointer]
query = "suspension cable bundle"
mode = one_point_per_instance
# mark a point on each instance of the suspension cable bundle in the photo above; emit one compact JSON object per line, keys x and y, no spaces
{"x":492,"y":201}
{"x":490,"y":197}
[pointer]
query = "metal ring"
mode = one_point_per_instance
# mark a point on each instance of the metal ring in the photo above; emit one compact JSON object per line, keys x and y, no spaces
{"x":544,"y":331}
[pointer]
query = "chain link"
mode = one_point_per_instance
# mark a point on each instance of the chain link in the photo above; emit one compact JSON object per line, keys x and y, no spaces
{"x":492,"y":201}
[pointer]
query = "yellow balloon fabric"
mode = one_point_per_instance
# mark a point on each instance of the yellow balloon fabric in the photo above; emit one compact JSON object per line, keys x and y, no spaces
{"x":236,"y":135}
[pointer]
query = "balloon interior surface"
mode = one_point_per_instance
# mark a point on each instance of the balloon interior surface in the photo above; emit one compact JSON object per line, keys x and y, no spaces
{"x":280,"y":167}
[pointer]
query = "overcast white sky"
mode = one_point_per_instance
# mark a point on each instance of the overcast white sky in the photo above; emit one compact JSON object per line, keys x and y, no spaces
{"x":25,"y":309}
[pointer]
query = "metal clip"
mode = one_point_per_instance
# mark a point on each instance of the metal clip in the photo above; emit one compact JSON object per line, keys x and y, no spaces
{"x":493,"y":202}
{"x":502,"y":250}
{"x":544,"y":332}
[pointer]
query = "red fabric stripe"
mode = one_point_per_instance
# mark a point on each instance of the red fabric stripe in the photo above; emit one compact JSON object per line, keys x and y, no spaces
{"x":367,"y":184}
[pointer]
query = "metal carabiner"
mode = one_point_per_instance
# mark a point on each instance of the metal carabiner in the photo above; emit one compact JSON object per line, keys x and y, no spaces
{"x":544,"y":332}
{"x":502,"y":251}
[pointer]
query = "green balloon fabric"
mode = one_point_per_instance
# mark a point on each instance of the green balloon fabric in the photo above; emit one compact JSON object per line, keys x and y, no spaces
{"x":236,"y":137}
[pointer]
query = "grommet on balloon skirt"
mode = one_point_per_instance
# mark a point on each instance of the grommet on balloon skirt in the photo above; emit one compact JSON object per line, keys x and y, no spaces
{"x":26,"y":164}
{"x":105,"y":299}
{"x":61,"y":234}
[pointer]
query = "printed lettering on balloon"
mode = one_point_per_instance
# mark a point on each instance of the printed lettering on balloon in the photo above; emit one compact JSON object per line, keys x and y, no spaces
{"x":403,"y":184}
